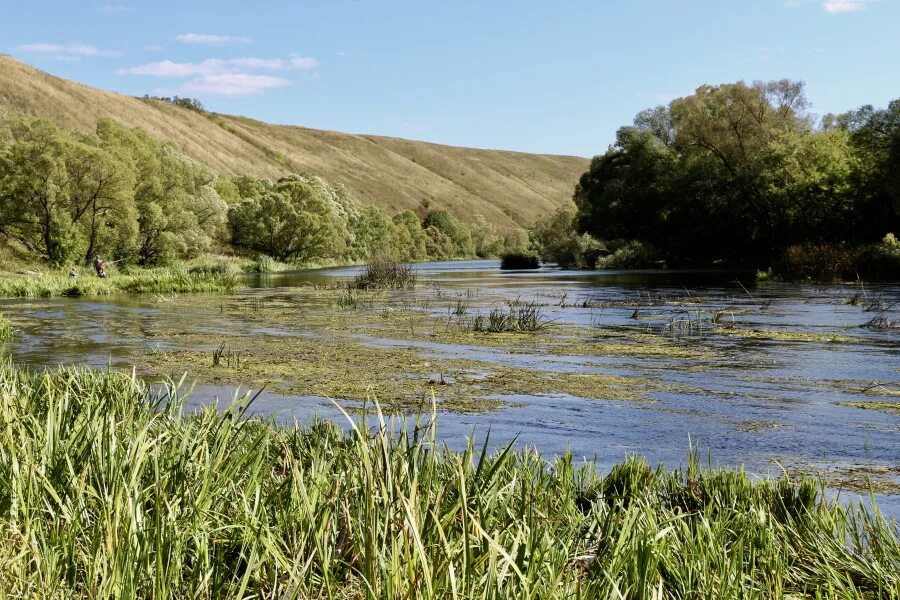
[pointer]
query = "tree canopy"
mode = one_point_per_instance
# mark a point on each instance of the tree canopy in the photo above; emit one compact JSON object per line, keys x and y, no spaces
{"x":737,"y":173}
{"x":122,"y":194}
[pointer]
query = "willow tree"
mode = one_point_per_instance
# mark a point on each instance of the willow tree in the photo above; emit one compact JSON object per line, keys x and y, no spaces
{"x":299,"y":219}
{"x":61,"y":196}
{"x":180,"y":213}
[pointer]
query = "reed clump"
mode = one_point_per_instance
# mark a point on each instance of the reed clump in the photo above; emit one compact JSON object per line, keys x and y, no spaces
{"x":386,"y":274}
{"x":517,"y":318}
{"x":6,"y":328}
{"x":111,"y":490}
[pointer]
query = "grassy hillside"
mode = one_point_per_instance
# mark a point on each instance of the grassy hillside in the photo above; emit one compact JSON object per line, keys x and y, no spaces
{"x":508,"y":188}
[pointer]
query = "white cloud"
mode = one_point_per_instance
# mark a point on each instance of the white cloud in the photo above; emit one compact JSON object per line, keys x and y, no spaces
{"x":208,"y":39}
{"x":831,"y":6}
{"x":228,"y":77}
{"x":233,"y":84}
{"x":294,"y":63}
{"x":167,"y":68}
{"x":216,"y":66}
{"x":113,"y":8}
{"x":841,"y":6}
{"x":69,"y":50}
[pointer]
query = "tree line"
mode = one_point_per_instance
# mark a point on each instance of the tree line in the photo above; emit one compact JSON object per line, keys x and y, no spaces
{"x":740,"y":175}
{"x":119,"y":192}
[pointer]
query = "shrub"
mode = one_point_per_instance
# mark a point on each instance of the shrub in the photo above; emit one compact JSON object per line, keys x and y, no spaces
{"x":879,"y":262}
{"x":816,"y":262}
{"x":519,"y":261}
{"x":630,"y":255}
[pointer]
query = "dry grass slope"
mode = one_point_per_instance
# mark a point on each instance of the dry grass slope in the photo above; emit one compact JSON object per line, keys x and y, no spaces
{"x":509,"y":188}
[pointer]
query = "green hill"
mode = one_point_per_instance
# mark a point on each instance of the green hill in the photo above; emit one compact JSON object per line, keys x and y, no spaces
{"x":509,"y":188}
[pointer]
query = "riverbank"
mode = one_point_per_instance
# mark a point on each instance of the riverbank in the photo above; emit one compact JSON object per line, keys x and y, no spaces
{"x":161,"y":281}
{"x":109,"y":490}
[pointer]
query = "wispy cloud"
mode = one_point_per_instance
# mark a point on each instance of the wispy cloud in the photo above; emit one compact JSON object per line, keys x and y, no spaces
{"x":234,"y":84}
{"x":216,"y":66}
{"x":230,"y":77}
{"x":113,"y":8}
{"x":832,"y":6}
{"x":66,"y":50}
{"x":842,"y":6}
{"x":208,"y":39}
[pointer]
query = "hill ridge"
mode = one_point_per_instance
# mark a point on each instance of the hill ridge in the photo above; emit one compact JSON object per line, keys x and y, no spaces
{"x":510,"y":188}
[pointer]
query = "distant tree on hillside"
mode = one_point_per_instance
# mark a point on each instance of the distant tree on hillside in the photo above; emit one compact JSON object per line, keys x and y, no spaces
{"x":188,"y":103}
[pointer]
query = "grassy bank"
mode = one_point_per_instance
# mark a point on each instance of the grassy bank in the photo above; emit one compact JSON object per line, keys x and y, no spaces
{"x":161,"y":281}
{"x":107,"y":491}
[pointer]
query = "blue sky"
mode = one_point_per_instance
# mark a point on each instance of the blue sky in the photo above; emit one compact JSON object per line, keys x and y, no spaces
{"x":541,"y":76}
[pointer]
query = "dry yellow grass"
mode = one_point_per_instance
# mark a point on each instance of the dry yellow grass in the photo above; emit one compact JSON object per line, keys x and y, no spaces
{"x":509,"y":188}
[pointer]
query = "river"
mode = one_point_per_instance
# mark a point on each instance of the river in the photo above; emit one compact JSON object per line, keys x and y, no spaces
{"x":770,"y":376}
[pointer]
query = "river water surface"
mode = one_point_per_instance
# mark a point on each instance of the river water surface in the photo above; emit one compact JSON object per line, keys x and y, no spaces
{"x":792,"y":373}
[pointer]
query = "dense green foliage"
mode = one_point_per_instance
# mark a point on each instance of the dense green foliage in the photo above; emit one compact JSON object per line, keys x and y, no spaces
{"x":738,"y":174}
{"x":119,"y":192}
{"x":123,"y":195}
{"x":107,"y":491}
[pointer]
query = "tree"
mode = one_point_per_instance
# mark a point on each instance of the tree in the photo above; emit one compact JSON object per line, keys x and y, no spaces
{"x":623,"y":192}
{"x":732,"y":125}
{"x":555,"y":238}
{"x":731,"y":173}
{"x":180,"y":213}
{"x":457,"y":231}
{"x":102,"y":205}
{"x":411,"y":238}
{"x":485,"y":240}
{"x":297,"y":220}
{"x":376,"y":234}
{"x":440,"y":245}
{"x":808,"y":186}
{"x":61,"y":196}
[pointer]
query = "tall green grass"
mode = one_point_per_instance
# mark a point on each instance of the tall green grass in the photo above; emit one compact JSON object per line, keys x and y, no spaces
{"x":6,"y":328}
{"x":267,"y":264}
{"x":160,"y":280}
{"x":109,"y":490}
